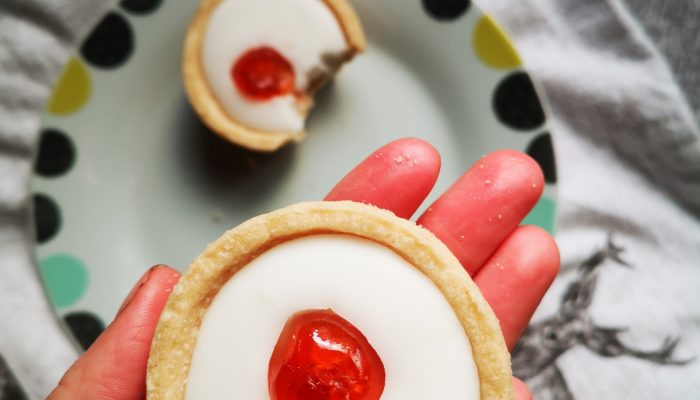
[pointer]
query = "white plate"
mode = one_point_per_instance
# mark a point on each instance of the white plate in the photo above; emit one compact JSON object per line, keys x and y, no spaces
{"x":128,"y":177}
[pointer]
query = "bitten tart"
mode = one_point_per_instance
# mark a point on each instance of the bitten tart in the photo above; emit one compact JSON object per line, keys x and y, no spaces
{"x":251,"y":67}
{"x":325,"y":301}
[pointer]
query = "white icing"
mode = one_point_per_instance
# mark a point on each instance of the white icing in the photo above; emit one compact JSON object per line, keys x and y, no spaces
{"x":404,"y":316}
{"x":300,"y":30}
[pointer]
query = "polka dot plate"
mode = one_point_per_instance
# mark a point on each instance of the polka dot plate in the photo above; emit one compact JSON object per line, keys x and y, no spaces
{"x":127,"y":176}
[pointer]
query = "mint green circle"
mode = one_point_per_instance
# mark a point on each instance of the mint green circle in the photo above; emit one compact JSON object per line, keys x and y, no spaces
{"x":542,"y":215}
{"x":65,"y":279}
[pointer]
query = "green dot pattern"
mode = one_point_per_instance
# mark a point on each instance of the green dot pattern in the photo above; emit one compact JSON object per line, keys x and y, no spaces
{"x":543,"y":215}
{"x":65,"y":278}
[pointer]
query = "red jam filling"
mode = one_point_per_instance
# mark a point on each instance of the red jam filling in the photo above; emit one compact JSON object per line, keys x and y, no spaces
{"x":321,"y":356}
{"x":263,"y":73}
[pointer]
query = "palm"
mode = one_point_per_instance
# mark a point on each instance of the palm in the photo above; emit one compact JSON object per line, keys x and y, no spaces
{"x":477,"y":218}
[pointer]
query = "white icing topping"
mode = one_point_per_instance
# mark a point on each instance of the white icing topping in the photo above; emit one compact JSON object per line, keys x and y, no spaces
{"x":300,"y":30}
{"x":404,"y":316}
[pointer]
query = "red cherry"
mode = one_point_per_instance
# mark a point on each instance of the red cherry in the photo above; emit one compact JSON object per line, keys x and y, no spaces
{"x":263,"y":73}
{"x":321,"y":356}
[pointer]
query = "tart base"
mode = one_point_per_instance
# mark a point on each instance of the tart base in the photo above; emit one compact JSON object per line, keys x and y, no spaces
{"x":208,"y":107}
{"x":176,"y":333}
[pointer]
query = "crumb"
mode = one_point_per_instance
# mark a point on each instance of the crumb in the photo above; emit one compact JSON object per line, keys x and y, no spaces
{"x":217,"y":216}
{"x":399,"y":159}
{"x":488,"y":181}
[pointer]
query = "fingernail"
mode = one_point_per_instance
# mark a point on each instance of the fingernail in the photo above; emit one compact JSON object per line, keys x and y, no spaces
{"x":142,"y":281}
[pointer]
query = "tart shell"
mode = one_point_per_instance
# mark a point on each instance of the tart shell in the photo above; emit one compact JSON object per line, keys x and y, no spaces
{"x":176,"y":333}
{"x":207,"y":106}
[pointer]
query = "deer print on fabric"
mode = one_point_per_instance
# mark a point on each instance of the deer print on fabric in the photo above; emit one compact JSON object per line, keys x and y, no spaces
{"x":535,"y":356}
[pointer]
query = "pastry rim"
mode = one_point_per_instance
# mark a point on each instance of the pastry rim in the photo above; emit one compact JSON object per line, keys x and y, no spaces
{"x":177,"y":329}
{"x":207,"y":106}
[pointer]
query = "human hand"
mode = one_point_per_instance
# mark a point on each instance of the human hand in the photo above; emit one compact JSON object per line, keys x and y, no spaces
{"x":477,"y":218}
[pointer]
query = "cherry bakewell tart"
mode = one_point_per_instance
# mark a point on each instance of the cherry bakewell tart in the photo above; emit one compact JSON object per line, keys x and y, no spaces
{"x":328,"y":301}
{"x":251,"y":67}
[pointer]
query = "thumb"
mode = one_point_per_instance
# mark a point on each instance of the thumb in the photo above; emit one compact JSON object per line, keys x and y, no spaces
{"x":114,"y":367}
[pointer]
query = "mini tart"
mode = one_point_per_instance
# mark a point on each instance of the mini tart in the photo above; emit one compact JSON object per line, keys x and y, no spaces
{"x":208,"y":106}
{"x":177,"y":330}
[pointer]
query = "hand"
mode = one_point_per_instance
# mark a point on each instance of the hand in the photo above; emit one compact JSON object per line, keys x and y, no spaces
{"x":477,"y":218}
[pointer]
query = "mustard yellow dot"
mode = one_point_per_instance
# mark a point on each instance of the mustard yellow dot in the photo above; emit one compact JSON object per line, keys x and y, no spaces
{"x":72,"y":90}
{"x":492,"y":45}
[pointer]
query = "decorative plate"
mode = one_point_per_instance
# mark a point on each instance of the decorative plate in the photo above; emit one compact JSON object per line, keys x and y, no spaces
{"x":127,"y":176}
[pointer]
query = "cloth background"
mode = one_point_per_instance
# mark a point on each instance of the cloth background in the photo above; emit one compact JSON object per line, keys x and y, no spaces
{"x":623,"y":81}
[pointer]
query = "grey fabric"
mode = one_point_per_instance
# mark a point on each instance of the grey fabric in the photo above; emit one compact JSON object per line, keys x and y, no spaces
{"x":674,"y":27}
{"x":622,"y":319}
{"x":36,"y":38}
{"x":9,"y":387}
{"x":625,"y":99}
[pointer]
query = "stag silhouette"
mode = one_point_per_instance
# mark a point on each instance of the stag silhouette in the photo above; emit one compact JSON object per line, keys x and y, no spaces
{"x":534,"y":358}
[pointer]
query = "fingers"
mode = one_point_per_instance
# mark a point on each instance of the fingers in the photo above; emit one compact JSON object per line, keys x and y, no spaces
{"x":114,"y":367}
{"x":483,"y":207}
{"x":514,"y":280}
{"x":397,"y":177}
{"x":521,"y":390}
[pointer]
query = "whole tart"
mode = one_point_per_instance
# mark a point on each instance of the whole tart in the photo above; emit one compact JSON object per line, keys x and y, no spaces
{"x":251,"y":67}
{"x":393,"y":280}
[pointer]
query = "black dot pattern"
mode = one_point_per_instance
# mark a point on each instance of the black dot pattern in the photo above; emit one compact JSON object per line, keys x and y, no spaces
{"x":110,"y":44}
{"x":85,"y":326}
{"x":140,"y":6}
{"x":56,"y":153}
{"x":47,"y":218}
{"x":542,"y":151}
{"x":446,"y":10}
{"x":516,"y":104}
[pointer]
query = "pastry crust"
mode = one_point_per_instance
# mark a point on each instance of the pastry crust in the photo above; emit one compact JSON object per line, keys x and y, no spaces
{"x":176,"y":333}
{"x":207,"y":105}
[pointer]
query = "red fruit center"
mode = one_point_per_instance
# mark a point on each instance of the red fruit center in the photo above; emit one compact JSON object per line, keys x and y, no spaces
{"x":263,"y":73}
{"x":321,"y":356}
